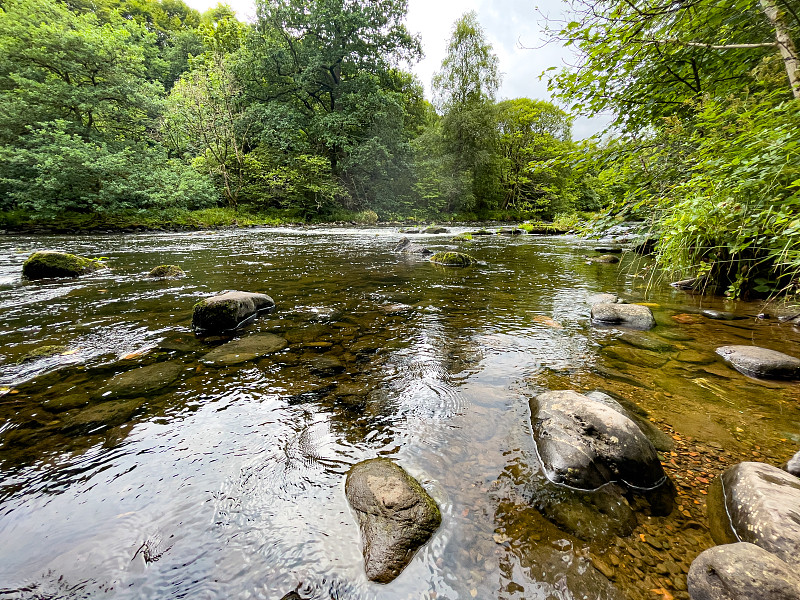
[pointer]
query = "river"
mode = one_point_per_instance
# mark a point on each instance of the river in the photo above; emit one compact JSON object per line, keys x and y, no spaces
{"x":229,"y":481}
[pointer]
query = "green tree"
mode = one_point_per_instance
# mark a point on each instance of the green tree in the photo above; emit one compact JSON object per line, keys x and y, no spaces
{"x":465,"y":89}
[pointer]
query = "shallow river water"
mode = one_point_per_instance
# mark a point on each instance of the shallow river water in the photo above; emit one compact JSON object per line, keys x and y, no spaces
{"x":229,"y":481}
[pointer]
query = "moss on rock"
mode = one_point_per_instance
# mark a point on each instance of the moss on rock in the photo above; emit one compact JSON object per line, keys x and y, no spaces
{"x":462,"y":237}
{"x":453,"y":259}
{"x":42,"y":352}
{"x":167,"y":272}
{"x":43,"y":265}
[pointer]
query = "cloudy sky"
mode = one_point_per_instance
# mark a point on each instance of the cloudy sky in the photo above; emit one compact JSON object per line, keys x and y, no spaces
{"x":513,"y":27}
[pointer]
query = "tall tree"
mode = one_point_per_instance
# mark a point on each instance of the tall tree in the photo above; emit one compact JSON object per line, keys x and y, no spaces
{"x":465,"y":89}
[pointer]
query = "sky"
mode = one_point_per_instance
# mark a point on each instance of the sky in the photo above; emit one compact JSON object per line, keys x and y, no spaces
{"x":513,"y":27}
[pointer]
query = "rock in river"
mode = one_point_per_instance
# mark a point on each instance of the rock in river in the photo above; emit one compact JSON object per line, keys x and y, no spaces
{"x":406,"y":246}
{"x":245,"y":349}
{"x":42,"y":265}
{"x":761,"y":362}
{"x":453,"y":259}
{"x":229,"y":310}
{"x":141,"y":381}
{"x":395,"y":514}
{"x":606,"y":259}
{"x":634,"y":316}
{"x":757,"y":503}
{"x":585,"y":443}
{"x":602,"y":298}
{"x":793,"y":466}
{"x":435,"y":229}
{"x":166,"y":272}
{"x":742,"y":572}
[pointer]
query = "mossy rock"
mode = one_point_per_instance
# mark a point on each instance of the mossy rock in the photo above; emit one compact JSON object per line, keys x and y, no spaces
{"x":42,"y":352}
{"x":462,"y":237}
{"x":167,"y":272}
{"x":453,"y":259}
{"x":435,"y":229}
{"x":47,"y":264}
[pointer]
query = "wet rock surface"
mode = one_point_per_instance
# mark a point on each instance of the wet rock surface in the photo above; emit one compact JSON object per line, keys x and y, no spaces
{"x":395,"y":514}
{"x":602,"y":299}
{"x":166,"y":272}
{"x":47,"y":264}
{"x":793,"y":465}
{"x":435,"y":229}
{"x":585,"y":444}
{"x":406,"y":246}
{"x":634,"y":316}
{"x":228,"y":311}
{"x":660,"y":440}
{"x":742,"y":571}
{"x":721,"y":315}
{"x":604,"y":259}
{"x":245,"y":349}
{"x":757,"y":503}
{"x":755,"y":361}
{"x":141,"y":381}
{"x":452,"y":259}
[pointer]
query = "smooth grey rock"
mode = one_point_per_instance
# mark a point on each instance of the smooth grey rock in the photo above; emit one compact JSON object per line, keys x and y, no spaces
{"x":757,"y":503}
{"x":793,"y":465}
{"x":47,"y":264}
{"x":742,"y":571}
{"x":228,"y":311}
{"x":721,"y":315}
{"x":755,"y":361}
{"x":660,"y":440}
{"x":141,"y":381}
{"x":602,"y":299}
{"x":245,"y":349}
{"x":585,"y":443}
{"x":395,"y":514}
{"x":406,"y":246}
{"x":634,"y":316}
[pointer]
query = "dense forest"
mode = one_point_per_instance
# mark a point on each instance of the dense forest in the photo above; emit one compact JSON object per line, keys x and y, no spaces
{"x":311,"y":112}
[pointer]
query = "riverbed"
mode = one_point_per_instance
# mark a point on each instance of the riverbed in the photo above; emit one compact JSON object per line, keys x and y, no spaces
{"x":228,"y":482}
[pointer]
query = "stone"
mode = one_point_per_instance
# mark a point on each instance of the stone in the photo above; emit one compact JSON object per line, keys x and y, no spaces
{"x":406,"y":246}
{"x":64,"y":402}
{"x":47,"y":264}
{"x":646,"y":341}
{"x":395,"y":514}
{"x":141,"y":381}
{"x":43,"y":352}
{"x":245,"y":349}
{"x":228,"y":311}
{"x":393,"y":310}
{"x":608,"y":249}
{"x":453,"y":259}
{"x":481,"y":232}
{"x":634,"y":316}
{"x":692,"y":283}
{"x":660,"y":440}
{"x":410,"y":230}
{"x":166,"y":272}
{"x":435,"y":229}
{"x":326,"y":366}
{"x":793,"y":465}
{"x":741,"y":571}
{"x":721,"y":315}
{"x":755,"y":361}
{"x":584,"y":443}
{"x":604,"y":259}
{"x":602,"y":298}
{"x":510,"y":231}
{"x":101,"y":416}
{"x":757,"y":503}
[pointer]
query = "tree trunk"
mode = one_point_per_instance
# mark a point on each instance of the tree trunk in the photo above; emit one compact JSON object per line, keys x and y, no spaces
{"x":785,"y":44}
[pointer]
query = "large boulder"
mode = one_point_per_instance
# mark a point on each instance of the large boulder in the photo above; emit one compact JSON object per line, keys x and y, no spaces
{"x":585,"y":443}
{"x":395,"y":514}
{"x":742,"y":571}
{"x":228,"y":311}
{"x":245,"y":349}
{"x":453,"y":259}
{"x":634,"y":316}
{"x":46,"y":264}
{"x":757,"y":503}
{"x":761,"y":362}
{"x":406,"y":246}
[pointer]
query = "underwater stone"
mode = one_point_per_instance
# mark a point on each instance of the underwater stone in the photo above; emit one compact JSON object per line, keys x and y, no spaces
{"x":760,"y":362}
{"x":453,"y":259}
{"x":584,"y":443}
{"x":245,"y":349}
{"x":605,"y":259}
{"x":720,"y":315}
{"x":757,"y":503}
{"x":395,"y":514}
{"x":166,"y":272}
{"x":106,"y":414}
{"x":741,"y":571}
{"x":406,"y":246}
{"x":634,"y":316}
{"x":140,"y":381}
{"x":228,"y":311}
{"x":46,"y":264}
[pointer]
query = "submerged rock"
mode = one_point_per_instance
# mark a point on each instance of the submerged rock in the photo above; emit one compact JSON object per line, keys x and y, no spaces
{"x":228,"y":311}
{"x":584,"y":443}
{"x":105,"y":414}
{"x":46,"y":264}
{"x":742,"y":571}
{"x":395,"y":514}
{"x":436,"y":229}
{"x":757,"y":503}
{"x":793,"y":465}
{"x":720,"y":315}
{"x":761,"y":362}
{"x":43,"y":352}
{"x":141,"y":381}
{"x":166,"y":272}
{"x":406,"y":246}
{"x":245,"y":349}
{"x":605,"y":259}
{"x":453,"y":259}
{"x":634,"y":316}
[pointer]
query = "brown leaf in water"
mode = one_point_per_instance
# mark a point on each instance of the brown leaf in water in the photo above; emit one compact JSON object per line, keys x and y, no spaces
{"x":663,"y":593}
{"x":686,"y":319}
{"x":547,"y":321}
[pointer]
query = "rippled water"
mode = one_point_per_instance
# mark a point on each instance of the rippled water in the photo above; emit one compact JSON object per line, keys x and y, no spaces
{"x":229,"y":483}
